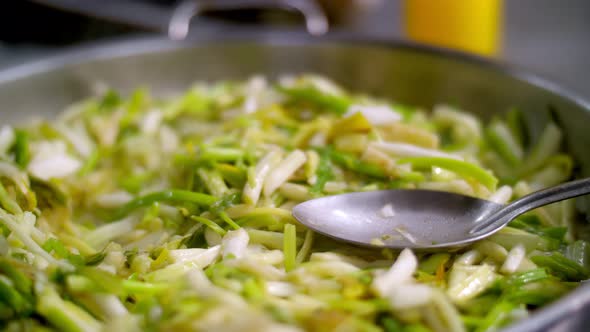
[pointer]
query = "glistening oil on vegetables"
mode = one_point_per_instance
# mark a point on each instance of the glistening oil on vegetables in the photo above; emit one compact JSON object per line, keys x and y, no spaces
{"x":140,"y":213}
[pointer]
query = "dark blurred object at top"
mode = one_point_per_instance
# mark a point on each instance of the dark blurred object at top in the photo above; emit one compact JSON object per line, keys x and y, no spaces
{"x":59,"y":22}
{"x":25,"y":22}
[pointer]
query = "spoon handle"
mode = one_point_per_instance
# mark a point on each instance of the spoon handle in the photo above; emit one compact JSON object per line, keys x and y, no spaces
{"x":532,"y":201}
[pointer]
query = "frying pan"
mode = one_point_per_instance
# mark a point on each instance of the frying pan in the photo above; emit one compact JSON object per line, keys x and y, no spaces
{"x":408,"y":73}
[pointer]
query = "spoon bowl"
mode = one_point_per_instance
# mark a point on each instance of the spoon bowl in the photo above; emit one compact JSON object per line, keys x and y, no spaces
{"x":420,"y":219}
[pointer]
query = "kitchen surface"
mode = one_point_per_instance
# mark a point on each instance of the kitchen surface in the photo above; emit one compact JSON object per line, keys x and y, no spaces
{"x":548,"y":37}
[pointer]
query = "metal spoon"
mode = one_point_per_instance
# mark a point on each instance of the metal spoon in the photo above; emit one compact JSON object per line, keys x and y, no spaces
{"x":420,"y":219}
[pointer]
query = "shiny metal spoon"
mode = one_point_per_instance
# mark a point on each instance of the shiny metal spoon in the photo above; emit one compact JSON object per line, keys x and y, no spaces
{"x":420,"y":219}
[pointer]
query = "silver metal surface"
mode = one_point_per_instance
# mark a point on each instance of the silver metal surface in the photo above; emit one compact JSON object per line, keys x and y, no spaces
{"x":501,"y":217}
{"x":408,"y":73}
{"x":397,"y":219}
{"x":316,"y":21}
{"x":420,"y":219}
{"x":176,"y":19}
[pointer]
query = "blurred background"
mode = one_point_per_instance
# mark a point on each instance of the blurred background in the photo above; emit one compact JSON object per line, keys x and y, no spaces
{"x":549,"y":37}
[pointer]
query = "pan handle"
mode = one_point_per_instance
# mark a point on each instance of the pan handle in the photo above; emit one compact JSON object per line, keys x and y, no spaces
{"x":316,"y":21}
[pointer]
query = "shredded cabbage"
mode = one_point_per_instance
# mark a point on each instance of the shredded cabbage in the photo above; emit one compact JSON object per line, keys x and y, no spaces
{"x":145,"y":213}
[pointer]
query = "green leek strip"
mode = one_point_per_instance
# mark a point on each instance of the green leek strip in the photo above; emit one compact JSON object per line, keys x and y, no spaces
{"x":7,"y":202}
{"x":310,"y":95}
{"x":90,"y":163}
{"x":279,"y":213}
{"x":539,"y":293}
{"x":547,"y":146}
{"x":579,"y":252}
{"x":497,"y":317}
{"x":516,"y":122}
{"x":252,"y":290}
{"x":21,"y":148}
{"x":508,"y":237}
{"x":64,"y":314}
{"x":223,"y":215}
{"x":523,"y":278}
{"x":471,"y":322}
{"x":417,"y":327}
{"x":391,"y":325}
{"x":13,"y":298}
{"x":462,"y":168}
{"x":221,"y":154}
{"x":360,"y":307}
{"x":134,"y":182}
{"x":432,"y":263}
{"x":324,"y":172}
{"x":140,"y":287}
{"x":352,"y":163}
{"x":261,"y":222}
{"x":172,"y":195}
{"x":104,"y":280}
{"x":109,"y":100}
{"x":269,"y":239}
{"x":213,"y":181}
{"x":561,"y":266}
{"x":524,"y":223}
{"x":290,"y":247}
{"x":19,"y":280}
{"x":305,"y":247}
{"x":209,"y":223}
{"x":507,"y":146}
{"x":234,"y":176}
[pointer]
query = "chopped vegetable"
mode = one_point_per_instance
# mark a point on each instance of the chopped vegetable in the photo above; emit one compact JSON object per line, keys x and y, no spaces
{"x":174,"y":214}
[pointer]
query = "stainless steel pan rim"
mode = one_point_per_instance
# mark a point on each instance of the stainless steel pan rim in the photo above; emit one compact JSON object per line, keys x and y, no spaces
{"x":551,"y":316}
{"x":127,"y":46}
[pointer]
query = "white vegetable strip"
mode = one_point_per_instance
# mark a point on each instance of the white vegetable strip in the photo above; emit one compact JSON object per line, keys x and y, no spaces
{"x":52,"y":161}
{"x":253,"y":186}
{"x":311,"y":166}
{"x":196,"y":256}
{"x":470,"y":257}
{"x":513,"y":260}
{"x":212,"y":237}
{"x":234,"y":243}
{"x":401,"y":272}
{"x":110,"y":305}
{"x":465,"y":122}
{"x":502,"y":195}
{"x":408,"y":150}
{"x":410,"y":296}
{"x":151,"y":122}
{"x":332,"y":187}
{"x":199,"y":282}
{"x":492,"y":250}
{"x":378,"y":157}
{"x":7,"y":138}
{"x":213,"y":181}
{"x":294,"y":191}
{"x":57,"y":167}
{"x":78,"y":136}
{"x":15,"y":227}
{"x":114,"y":199}
{"x":443,"y":315}
{"x":280,"y":288}
{"x":283,"y":171}
{"x":168,"y":139}
{"x":335,"y":257}
{"x":375,"y":114}
{"x":20,"y":179}
{"x":100,"y":236}
{"x":473,"y":285}
{"x":387,"y":211}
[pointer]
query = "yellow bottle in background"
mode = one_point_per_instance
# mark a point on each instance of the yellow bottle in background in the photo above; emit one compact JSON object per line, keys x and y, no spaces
{"x":468,"y":25}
